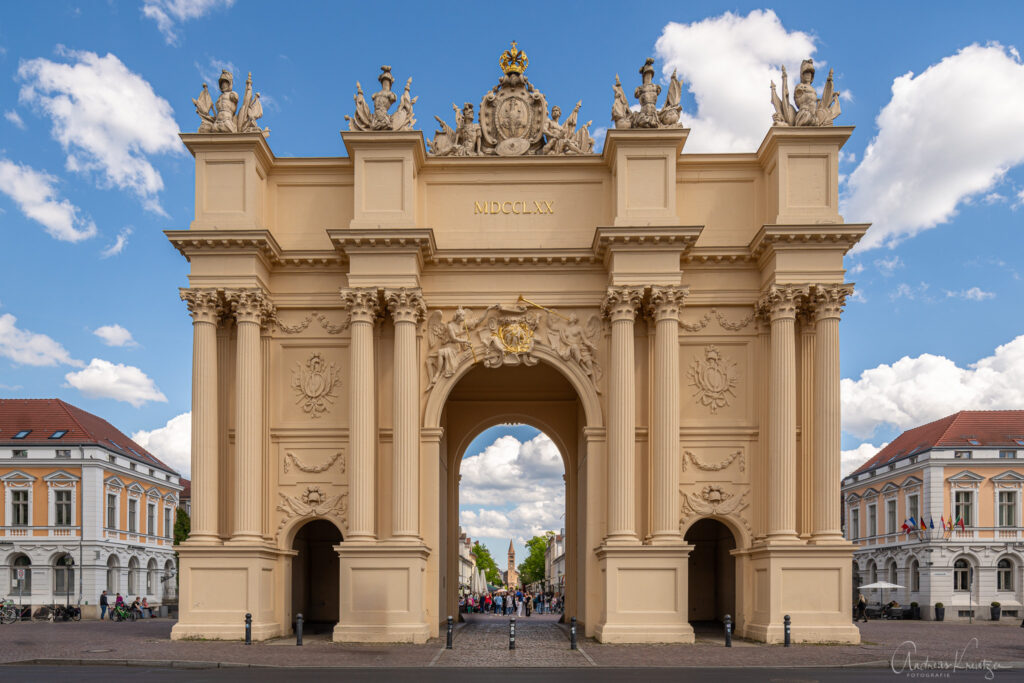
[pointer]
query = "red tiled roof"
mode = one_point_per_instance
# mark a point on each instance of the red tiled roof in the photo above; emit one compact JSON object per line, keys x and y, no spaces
{"x":46,"y":416}
{"x":989,"y":428}
{"x":186,"y":492}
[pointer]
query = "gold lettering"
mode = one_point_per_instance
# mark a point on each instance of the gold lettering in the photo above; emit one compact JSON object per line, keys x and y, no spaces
{"x":479,"y":207}
{"x":495,"y":207}
{"x":551,"y":208}
{"x":519,"y":207}
{"x":540,"y":209}
{"x":509,"y":205}
{"x":514,"y":209}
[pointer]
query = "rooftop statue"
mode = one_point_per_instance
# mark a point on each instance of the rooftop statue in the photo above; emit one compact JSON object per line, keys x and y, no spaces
{"x":565,"y":138}
{"x":228,"y":116}
{"x":648,"y":116}
{"x":380,"y":118}
{"x":464,"y":141}
{"x":809,"y":111}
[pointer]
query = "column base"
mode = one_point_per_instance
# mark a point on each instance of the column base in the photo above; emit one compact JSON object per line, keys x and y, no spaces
{"x":666,"y":540}
{"x":832,"y":539}
{"x":203,"y":539}
{"x":645,"y":594}
{"x":382,"y":592}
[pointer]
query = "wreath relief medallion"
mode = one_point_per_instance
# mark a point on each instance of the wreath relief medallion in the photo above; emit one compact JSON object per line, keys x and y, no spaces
{"x":314,"y":383}
{"x":714,"y":378}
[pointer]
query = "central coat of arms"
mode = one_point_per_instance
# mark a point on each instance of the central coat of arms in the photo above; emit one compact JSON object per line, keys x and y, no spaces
{"x":513,"y":113}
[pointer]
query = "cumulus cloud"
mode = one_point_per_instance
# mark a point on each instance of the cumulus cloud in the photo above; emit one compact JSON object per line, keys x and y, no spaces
{"x":119,"y":244}
{"x":107,"y":118}
{"x":114,"y":335}
{"x":887,"y":266}
{"x":27,"y":348}
{"x":936,"y":146}
{"x":35,"y":193}
{"x":14,"y":118}
{"x":727,"y":63}
{"x":909,"y":292}
{"x":971,"y":294}
{"x":168,"y":14}
{"x":103,"y":379}
{"x":172,"y":443}
{"x":914,"y":391}
{"x":854,"y":458}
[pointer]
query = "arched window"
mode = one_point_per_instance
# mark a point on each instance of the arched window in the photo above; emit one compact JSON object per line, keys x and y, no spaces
{"x":892,"y":572}
{"x":915,"y":576}
{"x":872,"y":572}
{"x":169,"y":582}
{"x":113,"y":575}
{"x":961,"y":575}
{"x":1004,"y":575}
{"x":133,"y":576}
{"x":63,"y":575}
{"x":151,"y":578}
{"x":21,"y":562}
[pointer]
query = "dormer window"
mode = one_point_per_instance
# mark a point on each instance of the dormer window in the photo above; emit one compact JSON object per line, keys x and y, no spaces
{"x":22,"y":434}
{"x":973,"y":441}
{"x":58,"y":434}
{"x":962,"y":455}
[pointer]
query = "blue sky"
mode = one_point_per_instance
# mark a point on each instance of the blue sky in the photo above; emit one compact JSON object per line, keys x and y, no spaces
{"x":91,"y":170}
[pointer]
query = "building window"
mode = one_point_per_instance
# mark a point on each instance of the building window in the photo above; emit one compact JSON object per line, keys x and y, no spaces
{"x":915,"y":576}
{"x":1007,"y":454}
{"x":111,"y":510}
{"x":63,"y":575}
{"x":961,"y":575}
{"x":131,"y":465}
{"x":133,"y":576}
{"x":112,"y":459}
{"x":1004,"y":575}
{"x":133,"y":511}
{"x":912,"y":508}
{"x":872,"y":572}
{"x":151,"y":519}
{"x":19,"y":508}
{"x":962,"y":507}
{"x":890,"y":517}
{"x":854,"y":524}
{"x":892,"y":572}
{"x":63,"y":452}
{"x":22,"y":434}
{"x":113,"y":576}
{"x":151,"y":577}
{"x":24,"y":564}
{"x":872,"y":520}
{"x":167,"y":522}
{"x":962,"y":455}
{"x":1007,"y":508}
{"x":20,"y":453}
{"x":62,"y":508}
{"x":58,"y":434}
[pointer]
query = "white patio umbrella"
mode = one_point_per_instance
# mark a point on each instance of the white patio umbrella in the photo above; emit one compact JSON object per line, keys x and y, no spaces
{"x":881,"y":585}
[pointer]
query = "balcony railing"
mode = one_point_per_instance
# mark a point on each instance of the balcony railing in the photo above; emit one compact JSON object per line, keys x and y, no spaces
{"x":969,"y":533}
{"x":30,"y":531}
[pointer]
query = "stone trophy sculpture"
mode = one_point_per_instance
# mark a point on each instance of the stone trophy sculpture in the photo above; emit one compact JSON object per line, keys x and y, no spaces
{"x":380,"y":119}
{"x":809,"y":110}
{"x":464,"y":140}
{"x":649,"y":116}
{"x":226,"y":116}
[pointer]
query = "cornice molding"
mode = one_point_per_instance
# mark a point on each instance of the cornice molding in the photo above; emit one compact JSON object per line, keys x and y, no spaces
{"x":680,"y":238}
{"x":826,"y":236}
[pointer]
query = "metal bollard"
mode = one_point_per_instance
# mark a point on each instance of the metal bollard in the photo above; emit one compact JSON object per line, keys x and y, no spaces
{"x":298,"y":628}
{"x":449,"y":645}
{"x":248,"y":629}
{"x":728,"y":631}
{"x":572,"y":634}
{"x":785,"y":620}
{"x":512,"y":633}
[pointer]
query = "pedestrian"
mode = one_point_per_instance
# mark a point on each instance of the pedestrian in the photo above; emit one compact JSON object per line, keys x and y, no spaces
{"x":498,"y":600}
{"x":862,"y":608}
{"x":119,"y":601}
{"x":529,"y":604}
{"x":519,"y":603}
{"x":104,"y":603}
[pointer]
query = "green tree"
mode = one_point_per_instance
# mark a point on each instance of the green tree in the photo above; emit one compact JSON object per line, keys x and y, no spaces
{"x":532,"y":568}
{"x":182,"y":526}
{"x":486,"y":562}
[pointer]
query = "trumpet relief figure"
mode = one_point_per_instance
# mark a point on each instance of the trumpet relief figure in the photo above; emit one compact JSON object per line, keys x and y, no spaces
{"x":380,"y":119}
{"x":226,"y":116}
{"x":809,"y":110}
{"x":648,"y":116}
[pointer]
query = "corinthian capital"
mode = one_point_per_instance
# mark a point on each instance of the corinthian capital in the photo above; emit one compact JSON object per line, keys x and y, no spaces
{"x":405,"y":305}
{"x":666,"y":302}
{"x":204,"y":305}
{"x":362,"y":302}
{"x":782,"y":301}
{"x":621,"y":303}
{"x":829,"y":300}
{"x":249,"y":305}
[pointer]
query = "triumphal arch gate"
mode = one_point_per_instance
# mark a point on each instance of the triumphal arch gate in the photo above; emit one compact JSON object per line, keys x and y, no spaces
{"x":669,"y":319}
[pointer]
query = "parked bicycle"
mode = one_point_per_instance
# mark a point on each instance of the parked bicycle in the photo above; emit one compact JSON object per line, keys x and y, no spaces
{"x":9,"y":612}
{"x":122,"y":613}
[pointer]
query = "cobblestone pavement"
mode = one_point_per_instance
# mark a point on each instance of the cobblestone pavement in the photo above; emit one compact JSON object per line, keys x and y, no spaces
{"x":540,"y":642}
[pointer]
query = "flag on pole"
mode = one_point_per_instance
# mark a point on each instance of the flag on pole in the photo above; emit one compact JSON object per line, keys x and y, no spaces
{"x":931,"y":522}
{"x":906,"y":528}
{"x":913,"y":523}
{"x":960,"y":520}
{"x":943,"y":521}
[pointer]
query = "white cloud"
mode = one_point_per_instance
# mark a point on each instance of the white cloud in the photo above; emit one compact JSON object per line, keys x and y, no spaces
{"x":169,"y":13}
{"x":887,"y":266}
{"x":103,"y":379}
{"x":855,"y":269}
{"x":914,"y":391}
{"x":114,"y":335}
{"x":915,"y":172}
{"x":14,"y":118}
{"x":727,"y":63}
{"x":905,"y":291}
{"x":972,"y":294}
{"x":211,"y":71}
{"x":993,"y":198}
{"x":119,"y":244}
{"x":852,"y":459}
{"x":858,"y":296}
{"x":107,"y":118}
{"x":172,"y":443}
{"x":35,"y":193}
{"x":28,"y":348}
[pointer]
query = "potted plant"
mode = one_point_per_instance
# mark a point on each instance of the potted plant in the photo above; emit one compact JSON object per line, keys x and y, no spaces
{"x":915,"y":611}
{"x":995,"y":611}
{"x":940,"y":611}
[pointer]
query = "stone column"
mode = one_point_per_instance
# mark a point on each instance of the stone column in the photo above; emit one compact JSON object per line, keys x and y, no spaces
{"x":407,"y":310}
{"x":782,"y":302}
{"x":364,"y":308}
{"x":250,"y":307}
{"x":828,"y":305}
{"x":759,"y":465}
{"x":205,"y":307}
{"x":805,"y":467}
{"x":664,"y":305}
{"x":621,"y":305}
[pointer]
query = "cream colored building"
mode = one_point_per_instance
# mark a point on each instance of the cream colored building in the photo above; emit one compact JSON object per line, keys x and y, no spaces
{"x":554,"y":564}
{"x":669,"y":320}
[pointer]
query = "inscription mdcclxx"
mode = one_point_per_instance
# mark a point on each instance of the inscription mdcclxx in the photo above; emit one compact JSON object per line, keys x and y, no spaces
{"x":524,"y":208}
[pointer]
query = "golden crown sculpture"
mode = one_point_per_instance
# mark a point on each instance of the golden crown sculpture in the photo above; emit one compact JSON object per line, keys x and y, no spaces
{"x":514,"y":61}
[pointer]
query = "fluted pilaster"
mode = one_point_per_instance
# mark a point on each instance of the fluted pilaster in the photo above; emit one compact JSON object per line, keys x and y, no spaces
{"x":364,"y":308}
{"x":759,"y":465}
{"x":805,"y":463}
{"x":663,"y":306}
{"x":620,"y":306}
{"x":250,"y":308}
{"x":205,"y":307}
{"x":828,"y":306}
{"x":407,"y":310}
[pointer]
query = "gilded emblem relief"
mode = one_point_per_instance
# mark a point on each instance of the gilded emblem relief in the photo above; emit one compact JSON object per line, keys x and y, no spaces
{"x":292,"y":460}
{"x":313,"y":503}
{"x":714,"y":379}
{"x":314,"y":383}
{"x":737,"y":457}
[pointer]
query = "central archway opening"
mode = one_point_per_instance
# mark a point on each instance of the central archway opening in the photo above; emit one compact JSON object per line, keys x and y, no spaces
{"x":712,"y":574}
{"x":315,"y":584}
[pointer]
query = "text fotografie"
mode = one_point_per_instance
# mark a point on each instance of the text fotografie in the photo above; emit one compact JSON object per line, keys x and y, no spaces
{"x":517,"y":208}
